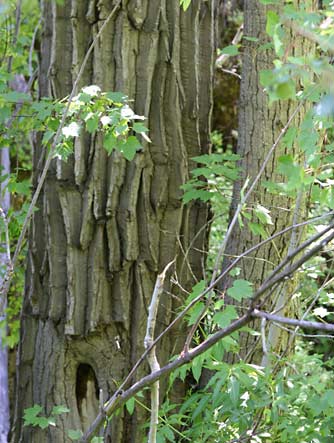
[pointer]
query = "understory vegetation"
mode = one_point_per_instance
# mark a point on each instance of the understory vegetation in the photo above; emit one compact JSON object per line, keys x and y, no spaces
{"x":277,"y":389}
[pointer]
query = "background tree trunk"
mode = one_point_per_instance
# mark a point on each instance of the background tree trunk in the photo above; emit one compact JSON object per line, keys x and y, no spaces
{"x":105,"y":227}
{"x":4,"y":400}
{"x":259,"y":127}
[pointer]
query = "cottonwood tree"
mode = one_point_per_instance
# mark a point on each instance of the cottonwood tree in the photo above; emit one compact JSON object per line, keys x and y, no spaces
{"x":104,"y":227}
{"x":260,"y":126}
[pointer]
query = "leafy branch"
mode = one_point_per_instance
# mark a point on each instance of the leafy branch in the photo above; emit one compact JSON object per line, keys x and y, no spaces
{"x":121,"y":397}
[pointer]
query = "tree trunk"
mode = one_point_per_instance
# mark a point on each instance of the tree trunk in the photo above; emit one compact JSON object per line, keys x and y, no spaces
{"x":259,"y":127}
{"x":105,"y":226}
{"x":4,"y":400}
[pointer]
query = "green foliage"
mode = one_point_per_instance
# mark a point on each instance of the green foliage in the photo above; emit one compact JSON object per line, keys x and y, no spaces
{"x":287,"y":404}
{"x":292,"y":404}
{"x":230,"y":50}
{"x":32,"y":416}
{"x":211,"y":179}
{"x":185,"y":4}
{"x":17,"y":62}
{"x":240,"y":289}
{"x":92,"y":112}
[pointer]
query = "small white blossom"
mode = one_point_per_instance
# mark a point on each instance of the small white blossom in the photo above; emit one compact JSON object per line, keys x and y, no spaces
{"x":72,"y":130}
{"x":105,"y":120}
{"x":91,"y":90}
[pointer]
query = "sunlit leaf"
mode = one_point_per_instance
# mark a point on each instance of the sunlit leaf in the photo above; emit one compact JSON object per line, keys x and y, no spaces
{"x":240,"y":289}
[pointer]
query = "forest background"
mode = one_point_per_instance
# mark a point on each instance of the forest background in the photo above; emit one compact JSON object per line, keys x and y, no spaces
{"x":150,"y":179}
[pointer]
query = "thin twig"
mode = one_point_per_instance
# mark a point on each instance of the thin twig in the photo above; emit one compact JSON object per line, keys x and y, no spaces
{"x":32,"y":45}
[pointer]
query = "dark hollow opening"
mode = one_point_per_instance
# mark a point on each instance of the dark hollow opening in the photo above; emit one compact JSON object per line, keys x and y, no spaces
{"x":85,"y":379}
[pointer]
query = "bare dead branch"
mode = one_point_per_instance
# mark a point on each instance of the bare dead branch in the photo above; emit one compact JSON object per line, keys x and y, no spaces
{"x":151,"y":356}
{"x":293,"y":321}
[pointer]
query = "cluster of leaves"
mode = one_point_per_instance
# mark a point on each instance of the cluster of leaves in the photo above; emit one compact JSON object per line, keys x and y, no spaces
{"x":17,"y":62}
{"x":33,"y":417}
{"x":212,"y":180}
{"x":93,"y":111}
{"x":244,"y":401}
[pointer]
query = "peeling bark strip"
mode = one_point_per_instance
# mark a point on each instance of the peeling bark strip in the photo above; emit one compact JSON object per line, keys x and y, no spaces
{"x":106,"y":227}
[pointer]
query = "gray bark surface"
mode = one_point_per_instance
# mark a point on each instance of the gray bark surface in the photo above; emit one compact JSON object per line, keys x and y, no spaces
{"x":259,"y":126}
{"x":105,"y":226}
{"x":4,"y":397}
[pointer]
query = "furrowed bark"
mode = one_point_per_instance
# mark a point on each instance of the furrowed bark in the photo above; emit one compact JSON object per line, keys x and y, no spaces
{"x":106,"y":227}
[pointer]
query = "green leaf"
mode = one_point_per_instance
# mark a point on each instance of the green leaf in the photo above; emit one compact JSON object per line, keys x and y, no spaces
{"x":97,"y":440}
{"x":240,"y":289}
{"x":16,"y":97}
{"x":130,"y":405}
{"x":219,"y":385}
{"x":83,"y":97}
{"x":201,"y":405}
{"x":197,"y":194}
{"x":74,"y":434}
{"x":225,"y":317}
{"x":235,"y":272}
{"x":234,"y":390}
{"x":196,"y":367}
{"x":44,"y":422}
{"x":194,"y":313}
{"x":116,"y":97}
{"x":272,"y":22}
{"x":47,"y":136}
{"x":110,"y":142}
{"x":169,"y":434}
{"x":5,"y":113}
{"x":92,"y":122}
{"x":217,"y":352}
{"x":286,"y":90}
{"x":267,"y":77}
{"x":57,"y":410}
{"x":130,"y":147}
{"x":289,"y":137}
{"x":185,"y":4}
{"x":250,"y":39}
{"x":139,"y":127}
{"x":328,"y":398}
{"x":257,"y":229}
{"x":160,"y":436}
{"x":230,"y":50}
{"x":30,"y":416}
{"x":196,"y":291}
{"x":263,"y":214}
